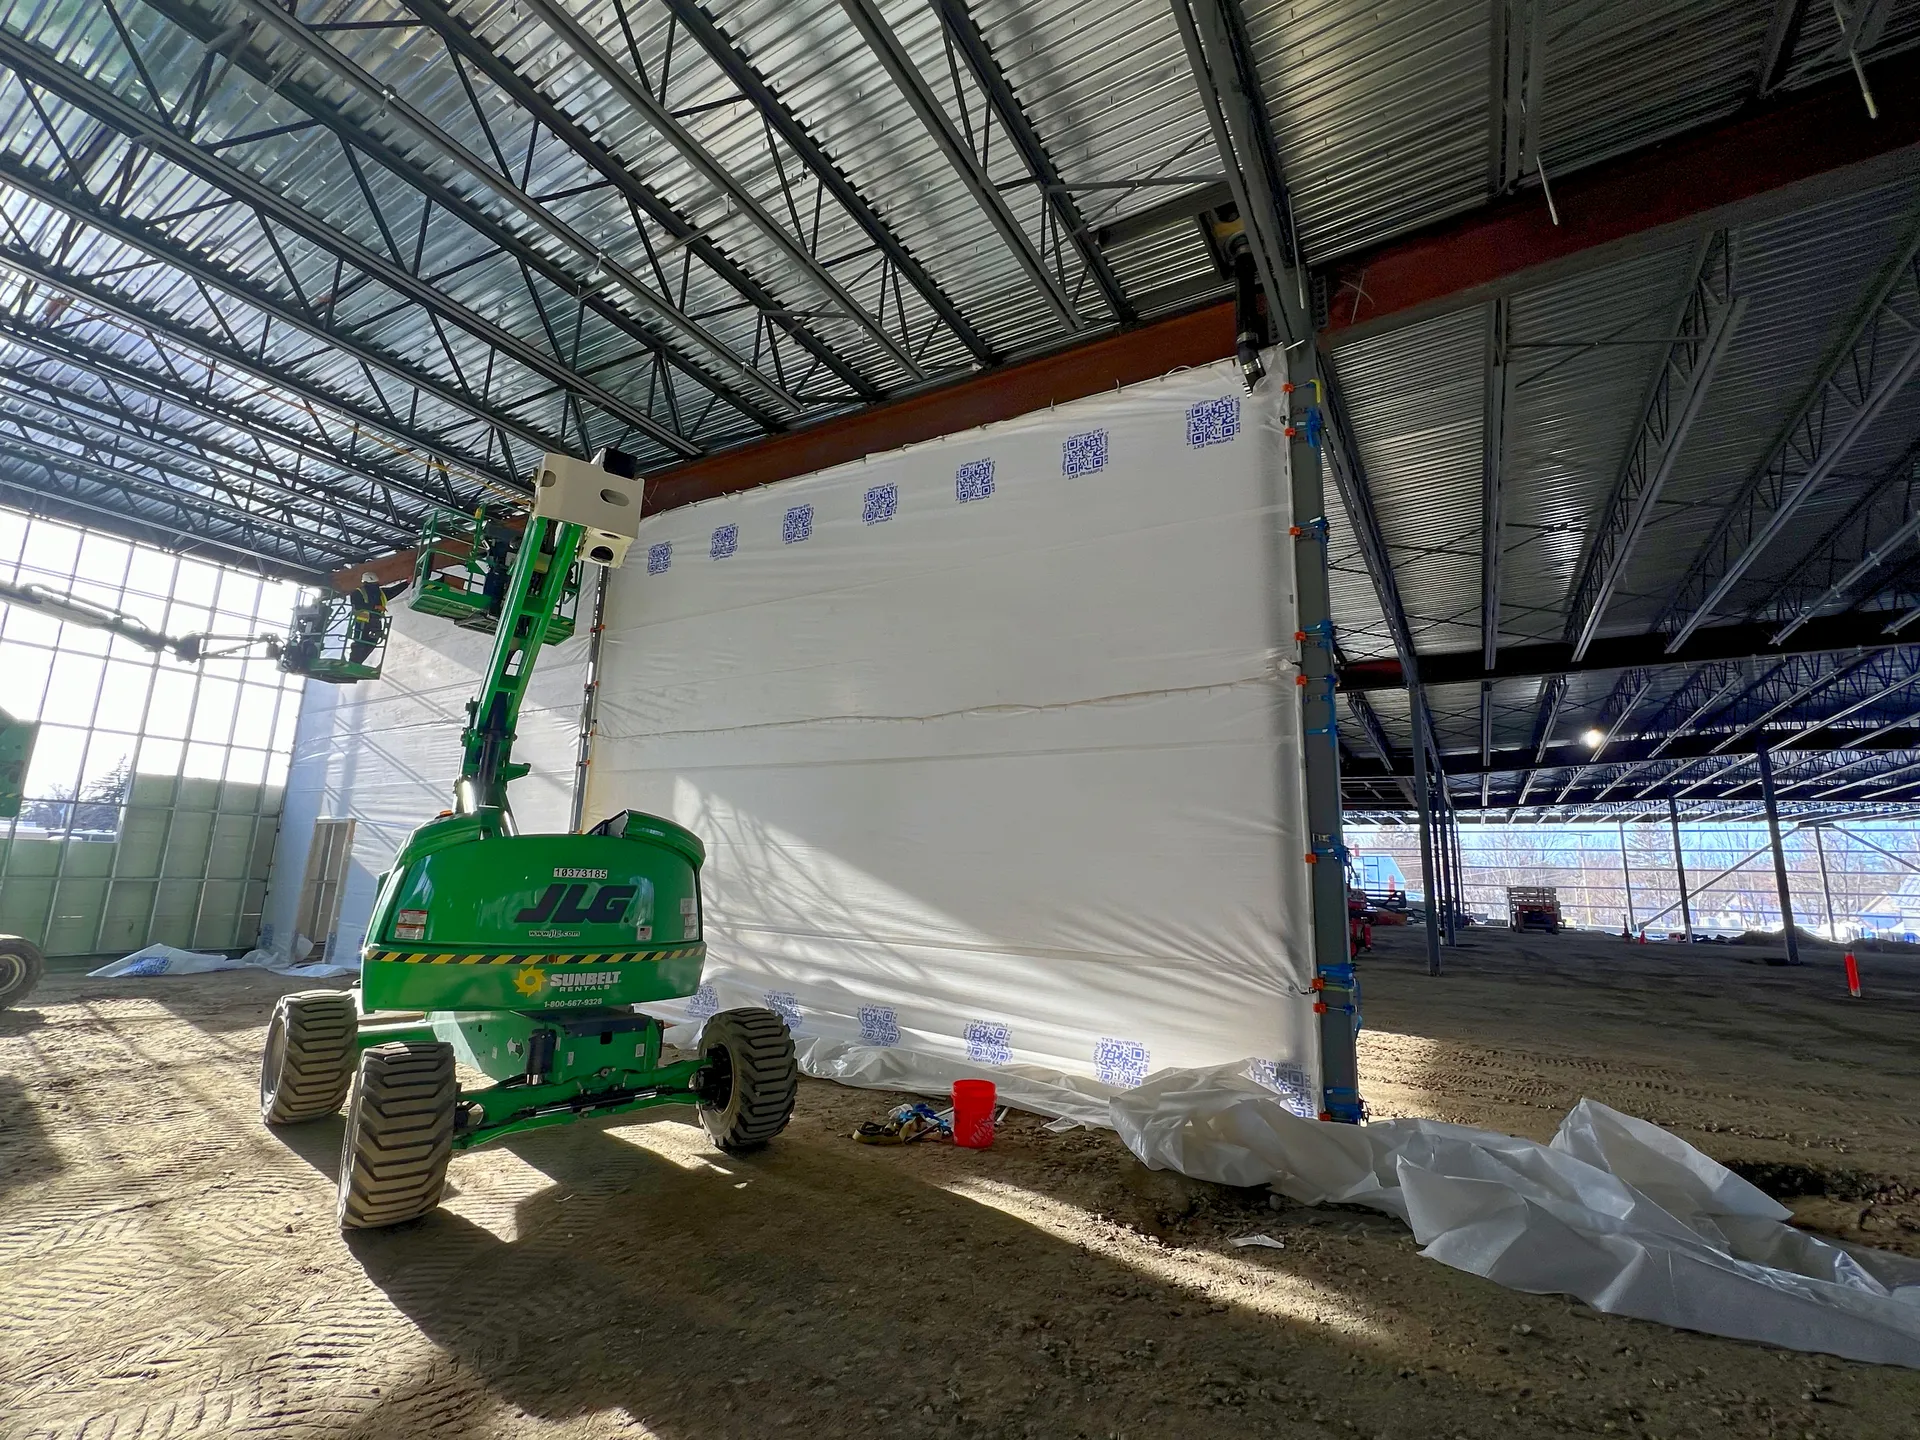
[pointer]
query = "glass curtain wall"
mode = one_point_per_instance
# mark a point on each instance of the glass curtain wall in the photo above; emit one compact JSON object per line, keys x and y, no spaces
{"x":154,"y":794}
{"x":1847,"y":876}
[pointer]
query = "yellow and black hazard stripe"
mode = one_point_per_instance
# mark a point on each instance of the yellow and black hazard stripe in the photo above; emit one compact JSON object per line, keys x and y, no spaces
{"x":623,"y":957}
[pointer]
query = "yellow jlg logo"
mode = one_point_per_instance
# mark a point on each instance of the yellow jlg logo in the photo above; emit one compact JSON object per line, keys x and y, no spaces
{"x":529,"y":980}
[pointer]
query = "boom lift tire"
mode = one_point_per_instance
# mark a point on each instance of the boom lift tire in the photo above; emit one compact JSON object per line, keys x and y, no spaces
{"x":751,"y":1080}
{"x":21,"y":966}
{"x":306,"y":1066}
{"x":393,"y":1157}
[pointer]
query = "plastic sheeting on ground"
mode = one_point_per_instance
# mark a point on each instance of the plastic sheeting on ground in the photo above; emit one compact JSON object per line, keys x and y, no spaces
{"x":994,"y":741}
{"x":1616,"y":1211}
{"x":170,"y":960}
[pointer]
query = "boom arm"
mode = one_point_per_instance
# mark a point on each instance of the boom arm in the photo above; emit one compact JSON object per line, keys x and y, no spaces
{"x":75,"y":611}
{"x":533,"y":596}
{"x":587,"y":510}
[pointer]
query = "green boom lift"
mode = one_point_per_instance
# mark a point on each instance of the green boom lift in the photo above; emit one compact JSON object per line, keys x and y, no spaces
{"x":520,"y":956}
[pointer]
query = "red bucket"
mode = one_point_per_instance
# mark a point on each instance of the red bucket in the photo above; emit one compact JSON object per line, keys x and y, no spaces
{"x":973,"y":1113}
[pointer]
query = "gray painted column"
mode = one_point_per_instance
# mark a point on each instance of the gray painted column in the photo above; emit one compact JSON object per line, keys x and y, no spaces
{"x":1779,"y":856}
{"x":1339,"y":993}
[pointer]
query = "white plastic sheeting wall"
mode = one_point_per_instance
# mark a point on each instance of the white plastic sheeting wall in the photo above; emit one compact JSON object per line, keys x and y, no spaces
{"x":994,"y":741}
{"x":385,"y":752}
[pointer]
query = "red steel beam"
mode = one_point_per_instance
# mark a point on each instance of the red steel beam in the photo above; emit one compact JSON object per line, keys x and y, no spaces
{"x":1768,"y":159}
{"x":1196,"y":338}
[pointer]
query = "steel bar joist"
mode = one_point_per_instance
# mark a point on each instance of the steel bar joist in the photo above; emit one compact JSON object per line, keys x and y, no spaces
{"x":628,"y":89}
{"x":1878,"y":529}
{"x":828,"y":177}
{"x":965,"y":158}
{"x":194,"y":380}
{"x":1709,"y":315}
{"x":1878,"y":353}
{"x":373,"y":285}
{"x":964,"y":36}
{"x":368,"y":526}
{"x":155,"y":515}
{"x":292,"y":363}
{"x":53,"y":418}
{"x":597,"y":281}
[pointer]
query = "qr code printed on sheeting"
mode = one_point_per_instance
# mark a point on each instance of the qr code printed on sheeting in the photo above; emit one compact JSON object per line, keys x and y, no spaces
{"x":1120,"y":1062}
{"x":989,"y":1043}
{"x":705,"y":1003}
{"x":882,"y":502}
{"x":659,"y":557}
{"x":1213,"y":422}
{"x":1084,"y":454}
{"x":786,"y":1005}
{"x":879,"y":1025}
{"x":797,"y":524}
{"x":726,"y":540}
{"x":973,"y":481}
{"x":1291,"y":1082}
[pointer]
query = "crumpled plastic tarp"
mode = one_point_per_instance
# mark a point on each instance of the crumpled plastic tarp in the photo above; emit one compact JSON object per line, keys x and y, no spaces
{"x":171,"y":960}
{"x":1614,"y":1210}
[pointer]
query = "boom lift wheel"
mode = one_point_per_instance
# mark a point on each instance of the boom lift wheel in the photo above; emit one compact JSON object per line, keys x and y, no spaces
{"x":307,"y":1063}
{"x":393,"y":1157}
{"x":751,"y":1078}
{"x":21,"y":967}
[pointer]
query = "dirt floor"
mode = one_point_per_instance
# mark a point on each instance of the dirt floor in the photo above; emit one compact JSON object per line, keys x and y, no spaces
{"x":171,"y":1268}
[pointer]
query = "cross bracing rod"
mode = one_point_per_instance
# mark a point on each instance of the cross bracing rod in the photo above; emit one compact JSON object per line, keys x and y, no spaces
{"x":161,"y":519}
{"x":1878,"y":354}
{"x":291,"y":315}
{"x":642,"y":102}
{"x":463,"y":45}
{"x":908,"y":80}
{"x":964,"y":33}
{"x":158,"y":136}
{"x":1708,"y":317}
{"x":371,"y":515}
{"x":33,"y":415}
{"x":716,"y":366}
{"x":196,"y":389}
{"x":1873,"y":532}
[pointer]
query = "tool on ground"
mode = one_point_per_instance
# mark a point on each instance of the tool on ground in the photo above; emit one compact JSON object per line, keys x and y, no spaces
{"x":904,"y":1125}
{"x":520,"y":956}
{"x":973,"y":1114}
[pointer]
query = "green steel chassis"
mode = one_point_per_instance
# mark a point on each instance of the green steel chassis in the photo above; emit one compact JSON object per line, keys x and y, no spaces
{"x":605,"y":1063}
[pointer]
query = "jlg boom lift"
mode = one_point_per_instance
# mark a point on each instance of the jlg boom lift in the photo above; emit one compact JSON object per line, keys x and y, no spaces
{"x":519,"y":956}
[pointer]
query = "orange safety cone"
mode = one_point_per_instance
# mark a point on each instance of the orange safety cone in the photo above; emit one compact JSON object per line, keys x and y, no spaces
{"x":1853,"y":976}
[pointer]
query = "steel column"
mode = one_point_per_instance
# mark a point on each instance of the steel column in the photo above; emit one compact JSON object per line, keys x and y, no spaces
{"x":1779,"y":856}
{"x":1826,"y":890}
{"x":1429,"y":870}
{"x":1680,"y":868}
